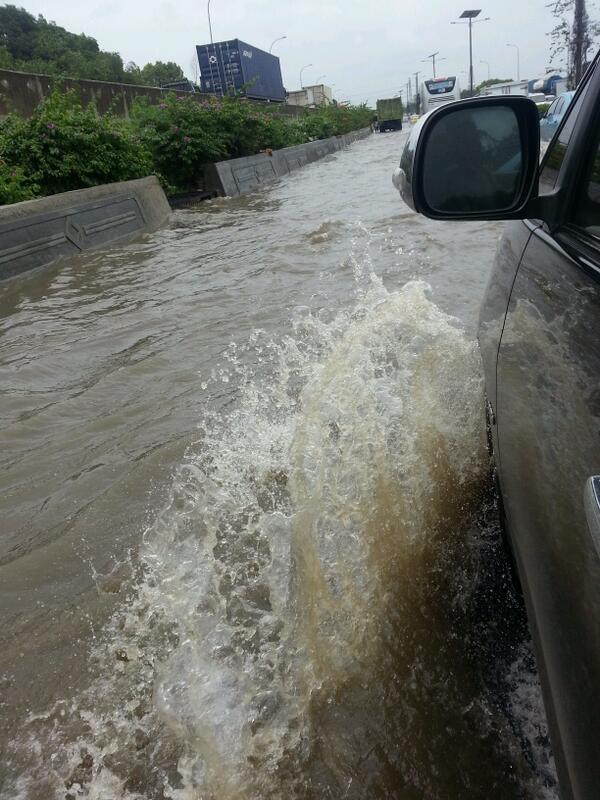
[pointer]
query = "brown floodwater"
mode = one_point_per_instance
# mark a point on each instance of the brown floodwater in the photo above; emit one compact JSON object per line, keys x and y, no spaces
{"x":249,"y":547}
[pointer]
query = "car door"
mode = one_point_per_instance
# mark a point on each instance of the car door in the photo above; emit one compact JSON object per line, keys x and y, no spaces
{"x":548,"y":438}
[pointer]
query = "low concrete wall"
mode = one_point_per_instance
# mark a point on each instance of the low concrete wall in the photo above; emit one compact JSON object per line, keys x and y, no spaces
{"x":22,"y":92}
{"x":241,"y":175}
{"x":37,"y":232}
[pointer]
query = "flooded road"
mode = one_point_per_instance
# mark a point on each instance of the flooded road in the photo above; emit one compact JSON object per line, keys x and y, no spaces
{"x":248,"y":543}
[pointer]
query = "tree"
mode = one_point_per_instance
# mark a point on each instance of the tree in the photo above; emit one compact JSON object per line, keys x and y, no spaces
{"x":35,"y":45}
{"x":491,"y":82}
{"x":160,"y":72}
{"x":573,"y":39}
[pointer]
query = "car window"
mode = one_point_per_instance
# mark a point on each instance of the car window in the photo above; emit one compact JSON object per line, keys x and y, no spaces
{"x":560,"y":105}
{"x":587,"y":204}
{"x":552,"y":107}
{"x":558,"y":147}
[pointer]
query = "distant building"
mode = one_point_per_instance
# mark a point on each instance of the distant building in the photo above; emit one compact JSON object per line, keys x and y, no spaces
{"x":511,"y":87}
{"x":311,"y":96}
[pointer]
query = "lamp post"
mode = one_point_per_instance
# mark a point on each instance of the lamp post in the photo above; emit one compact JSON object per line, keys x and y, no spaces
{"x":279,"y":38}
{"x":469,"y":17}
{"x":418,"y":94}
{"x":209,"y":22}
{"x":319,"y":78}
{"x":482,"y":61}
{"x":516,"y":46}
{"x":432,"y":57}
{"x":306,"y":66}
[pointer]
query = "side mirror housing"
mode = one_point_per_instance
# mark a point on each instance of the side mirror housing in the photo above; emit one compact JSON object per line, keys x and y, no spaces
{"x":475,"y":159}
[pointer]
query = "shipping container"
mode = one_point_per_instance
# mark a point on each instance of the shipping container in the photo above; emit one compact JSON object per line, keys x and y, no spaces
{"x":389,"y":114}
{"x":235,"y":66}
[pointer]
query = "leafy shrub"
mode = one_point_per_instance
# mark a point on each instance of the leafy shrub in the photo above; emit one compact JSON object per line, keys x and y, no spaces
{"x":247,"y":128}
{"x":334,"y":120}
{"x":14,"y":187}
{"x":181,"y":135}
{"x":66,"y":146}
{"x":542,"y":108}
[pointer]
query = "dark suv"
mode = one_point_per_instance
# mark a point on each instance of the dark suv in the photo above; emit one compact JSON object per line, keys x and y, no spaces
{"x":540,"y":343}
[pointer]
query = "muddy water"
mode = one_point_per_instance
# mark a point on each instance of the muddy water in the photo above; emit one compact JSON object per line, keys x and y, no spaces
{"x":248,"y":544}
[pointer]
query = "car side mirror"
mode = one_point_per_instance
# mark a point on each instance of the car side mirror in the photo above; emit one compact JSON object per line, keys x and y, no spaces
{"x":474,"y":159}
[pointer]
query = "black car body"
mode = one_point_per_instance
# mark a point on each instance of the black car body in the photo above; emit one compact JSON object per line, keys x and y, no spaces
{"x":540,"y":343}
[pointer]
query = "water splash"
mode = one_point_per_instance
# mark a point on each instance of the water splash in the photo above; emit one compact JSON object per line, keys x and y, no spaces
{"x":301,"y":604}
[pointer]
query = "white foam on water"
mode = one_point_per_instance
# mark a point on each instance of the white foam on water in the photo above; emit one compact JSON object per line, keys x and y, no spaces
{"x":270,"y":584}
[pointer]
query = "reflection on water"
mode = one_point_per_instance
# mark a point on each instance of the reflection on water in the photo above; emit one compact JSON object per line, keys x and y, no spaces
{"x":322,"y":608}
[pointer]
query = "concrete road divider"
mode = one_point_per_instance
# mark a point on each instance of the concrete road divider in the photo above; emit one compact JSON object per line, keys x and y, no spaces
{"x":241,"y":175}
{"x":38,"y":232}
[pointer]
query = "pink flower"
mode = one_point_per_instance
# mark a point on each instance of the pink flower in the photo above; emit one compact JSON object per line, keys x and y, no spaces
{"x":186,"y":139}
{"x":162,"y":105}
{"x":50,"y":126}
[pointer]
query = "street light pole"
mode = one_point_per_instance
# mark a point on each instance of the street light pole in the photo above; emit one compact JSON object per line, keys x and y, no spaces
{"x":432,"y":57}
{"x":471,"y":55}
{"x":417,"y":93}
{"x":279,"y":38}
{"x":469,"y":16}
{"x":306,"y":66}
{"x":209,"y":22}
{"x":516,"y":46}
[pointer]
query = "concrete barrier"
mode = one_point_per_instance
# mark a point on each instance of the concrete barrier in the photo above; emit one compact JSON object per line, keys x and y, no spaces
{"x":241,"y":175}
{"x":38,"y":232}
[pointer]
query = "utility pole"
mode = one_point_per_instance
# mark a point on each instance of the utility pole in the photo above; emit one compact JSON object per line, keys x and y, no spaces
{"x":417,"y":93}
{"x":209,"y":22}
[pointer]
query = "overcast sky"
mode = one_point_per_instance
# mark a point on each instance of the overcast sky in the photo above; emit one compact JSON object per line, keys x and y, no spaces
{"x":366,"y":48}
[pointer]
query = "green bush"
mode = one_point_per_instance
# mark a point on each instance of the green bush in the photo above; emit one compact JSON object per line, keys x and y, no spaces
{"x":248,"y":128}
{"x":66,"y":146}
{"x":334,"y":120}
{"x":181,"y":135}
{"x":14,"y":187}
{"x":542,"y":108}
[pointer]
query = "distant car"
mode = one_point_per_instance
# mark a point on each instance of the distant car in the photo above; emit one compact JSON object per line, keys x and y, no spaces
{"x":553,"y":117}
{"x":539,"y":334}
